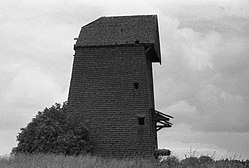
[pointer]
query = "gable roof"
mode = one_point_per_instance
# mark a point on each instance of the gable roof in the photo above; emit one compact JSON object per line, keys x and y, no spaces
{"x":121,"y":30}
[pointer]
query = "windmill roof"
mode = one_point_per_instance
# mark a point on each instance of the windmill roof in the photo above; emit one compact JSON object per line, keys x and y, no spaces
{"x":120,"y":30}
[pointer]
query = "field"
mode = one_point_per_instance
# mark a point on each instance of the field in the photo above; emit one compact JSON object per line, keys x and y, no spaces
{"x":60,"y":161}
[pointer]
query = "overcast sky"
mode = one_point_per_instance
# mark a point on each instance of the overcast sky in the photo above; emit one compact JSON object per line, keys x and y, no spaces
{"x":203,"y":80}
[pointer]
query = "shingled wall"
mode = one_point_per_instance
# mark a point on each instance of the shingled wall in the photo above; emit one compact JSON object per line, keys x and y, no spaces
{"x":103,"y":96}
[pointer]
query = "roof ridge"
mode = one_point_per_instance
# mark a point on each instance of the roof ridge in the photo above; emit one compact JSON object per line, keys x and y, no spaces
{"x":131,"y":15}
{"x":121,"y":16}
{"x":93,"y":21}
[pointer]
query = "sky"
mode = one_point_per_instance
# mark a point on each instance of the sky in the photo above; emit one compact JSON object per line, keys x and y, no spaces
{"x":203,"y":79}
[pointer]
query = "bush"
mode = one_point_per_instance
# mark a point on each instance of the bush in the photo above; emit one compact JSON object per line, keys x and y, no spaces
{"x":205,"y":159}
{"x":170,"y":161}
{"x":190,"y":161}
{"x":52,"y":131}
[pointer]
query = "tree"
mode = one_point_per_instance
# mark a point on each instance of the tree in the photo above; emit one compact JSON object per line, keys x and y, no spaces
{"x":53,"y":131}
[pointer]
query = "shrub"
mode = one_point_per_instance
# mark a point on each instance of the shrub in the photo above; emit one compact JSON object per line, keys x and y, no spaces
{"x":190,"y":161}
{"x":205,"y":159}
{"x":170,"y":161}
{"x":52,"y":131}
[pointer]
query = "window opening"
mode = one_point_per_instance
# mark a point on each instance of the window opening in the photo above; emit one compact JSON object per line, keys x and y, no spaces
{"x":141,"y":120}
{"x":135,"y":84}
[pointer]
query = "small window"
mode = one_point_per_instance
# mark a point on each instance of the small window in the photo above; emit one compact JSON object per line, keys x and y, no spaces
{"x":135,"y":84}
{"x":141,"y":120}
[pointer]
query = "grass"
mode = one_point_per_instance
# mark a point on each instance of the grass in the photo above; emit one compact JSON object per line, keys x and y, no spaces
{"x":60,"y":161}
